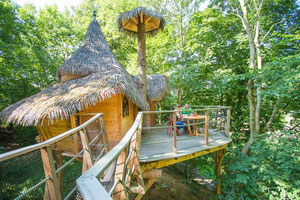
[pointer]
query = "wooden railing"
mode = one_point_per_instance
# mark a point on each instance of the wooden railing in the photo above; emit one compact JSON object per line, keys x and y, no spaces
{"x":125,"y":158}
{"x":195,"y":109}
{"x":52,"y":175}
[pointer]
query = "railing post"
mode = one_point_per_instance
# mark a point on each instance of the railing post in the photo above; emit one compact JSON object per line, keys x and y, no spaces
{"x":120,"y":190}
{"x":87,"y":154}
{"x":174,"y":134}
{"x":104,"y":135}
{"x":228,"y":122}
{"x":206,"y":127}
{"x":216,"y":118}
{"x":52,"y":190}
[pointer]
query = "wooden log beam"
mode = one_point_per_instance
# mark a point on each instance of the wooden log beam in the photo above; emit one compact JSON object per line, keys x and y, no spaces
{"x":228,"y":122}
{"x":147,"y":186}
{"x":152,"y":174}
{"x":206,"y":127}
{"x":52,"y":190}
{"x":142,"y":57}
{"x":58,"y":157}
{"x":120,"y":192}
{"x":219,"y":155}
{"x":174,"y":134}
{"x":87,"y":154}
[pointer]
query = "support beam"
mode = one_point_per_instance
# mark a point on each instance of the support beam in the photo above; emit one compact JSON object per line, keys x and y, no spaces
{"x":228,"y":122}
{"x":166,"y":162}
{"x":52,"y":190}
{"x":87,"y":154}
{"x":206,"y":127}
{"x":152,"y":174}
{"x":119,"y":192}
{"x":148,"y":184}
{"x":58,"y":157}
{"x":174,"y":134}
{"x":219,"y":155}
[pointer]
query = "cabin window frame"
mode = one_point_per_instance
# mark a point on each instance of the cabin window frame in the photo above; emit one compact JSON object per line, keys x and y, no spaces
{"x":125,"y":107}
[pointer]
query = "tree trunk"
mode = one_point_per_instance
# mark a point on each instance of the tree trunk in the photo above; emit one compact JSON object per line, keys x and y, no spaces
{"x":142,"y":58}
{"x":250,"y":84}
{"x":258,"y":90}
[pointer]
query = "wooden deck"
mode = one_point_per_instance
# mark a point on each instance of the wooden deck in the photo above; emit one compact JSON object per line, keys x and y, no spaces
{"x":156,"y":145}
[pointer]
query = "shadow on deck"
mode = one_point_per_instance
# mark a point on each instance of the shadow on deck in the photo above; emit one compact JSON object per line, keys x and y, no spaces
{"x":156,"y":145}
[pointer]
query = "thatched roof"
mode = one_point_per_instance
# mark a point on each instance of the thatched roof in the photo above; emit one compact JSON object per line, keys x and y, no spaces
{"x":104,"y":77}
{"x":93,"y":55}
{"x":64,"y":99}
{"x":157,"y":86}
{"x":128,"y":21}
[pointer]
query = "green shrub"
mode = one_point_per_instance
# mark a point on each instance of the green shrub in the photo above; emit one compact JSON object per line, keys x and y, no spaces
{"x":271,"y":172}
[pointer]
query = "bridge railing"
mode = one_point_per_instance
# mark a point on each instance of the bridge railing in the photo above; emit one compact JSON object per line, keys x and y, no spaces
{"x":49,"y":169}
{"x":122,"y":161}
{"x":202,"y":120}
{"x":118,"y":165}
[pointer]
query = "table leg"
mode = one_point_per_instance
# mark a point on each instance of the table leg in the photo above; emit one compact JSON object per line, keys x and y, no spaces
{"x":189,"y":127}
{"x":204,"y":127}
{"x":195,"y":127}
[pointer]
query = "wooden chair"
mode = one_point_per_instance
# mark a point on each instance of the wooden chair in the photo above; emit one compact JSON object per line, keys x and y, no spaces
{"x":170,"y":124}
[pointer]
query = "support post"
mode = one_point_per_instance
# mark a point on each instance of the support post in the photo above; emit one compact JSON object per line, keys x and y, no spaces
{"x":218,"y":163}
{"x":216,"y":118}
{"x":75,"y":136}
{"x":58,"y":157}
{"x":52,"y":190}
{"x":228,"y":122}
{"x":147,"y":186}
{"x":206,"y":127}
{"x":174,"y":134}
{"x":87,"y":154}
{"x":142,"y":57}
{"x":104,"y":134}
{"x":120,"y":192}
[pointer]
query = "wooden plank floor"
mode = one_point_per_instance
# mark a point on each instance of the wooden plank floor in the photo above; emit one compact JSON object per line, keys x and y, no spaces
{"x":157,"y":145}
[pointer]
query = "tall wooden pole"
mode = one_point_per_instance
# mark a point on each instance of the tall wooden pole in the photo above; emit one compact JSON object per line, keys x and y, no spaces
{"x":219,"y":155}
{"x":142,"y":56}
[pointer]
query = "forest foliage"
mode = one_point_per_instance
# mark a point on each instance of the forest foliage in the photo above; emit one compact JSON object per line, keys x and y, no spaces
{"x":205,"y":54}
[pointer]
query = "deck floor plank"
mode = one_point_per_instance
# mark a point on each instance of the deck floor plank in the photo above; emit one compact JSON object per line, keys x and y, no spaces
{"x":157,"y":145}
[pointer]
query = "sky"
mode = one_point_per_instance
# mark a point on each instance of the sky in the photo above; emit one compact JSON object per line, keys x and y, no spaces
{"x":61,"y":4}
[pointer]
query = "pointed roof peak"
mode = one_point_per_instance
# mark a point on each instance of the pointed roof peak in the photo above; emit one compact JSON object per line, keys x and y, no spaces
{"x":93,"y":55}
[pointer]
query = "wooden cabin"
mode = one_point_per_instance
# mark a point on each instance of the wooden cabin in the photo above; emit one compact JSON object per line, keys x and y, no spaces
{"x":91,"y":81}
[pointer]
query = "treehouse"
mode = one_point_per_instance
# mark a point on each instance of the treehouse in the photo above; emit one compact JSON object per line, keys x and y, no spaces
{"x":91,"y":81}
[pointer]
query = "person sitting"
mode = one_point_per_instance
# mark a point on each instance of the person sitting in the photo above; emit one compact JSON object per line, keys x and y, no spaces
{"x":179,"y":122}
{"x":186,"y":110}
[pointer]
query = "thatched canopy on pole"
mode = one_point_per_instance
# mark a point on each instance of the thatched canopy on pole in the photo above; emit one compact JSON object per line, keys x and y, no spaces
{"x":128,"y":21}
{"x":141,"y":21}
{"x":103,"y":77}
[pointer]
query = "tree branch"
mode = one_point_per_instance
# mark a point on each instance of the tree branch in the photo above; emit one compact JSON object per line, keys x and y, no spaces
{"x":272,"y":116}
{"x":271,"y":29}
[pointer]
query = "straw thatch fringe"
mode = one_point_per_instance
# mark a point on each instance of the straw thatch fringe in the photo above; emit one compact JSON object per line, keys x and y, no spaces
{"x":157,"y":86}
{"x":136,"y":12}
{"x":61,"y":100}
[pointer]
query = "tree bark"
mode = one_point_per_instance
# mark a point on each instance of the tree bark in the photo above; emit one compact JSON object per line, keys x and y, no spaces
{"x":250,"y":84}
{"x":272,"y":116}
{"x":259,"y":67}
{"x":142,"y":58}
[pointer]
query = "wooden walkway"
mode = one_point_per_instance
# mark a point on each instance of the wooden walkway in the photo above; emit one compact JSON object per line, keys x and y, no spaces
{"x":156,"y":145}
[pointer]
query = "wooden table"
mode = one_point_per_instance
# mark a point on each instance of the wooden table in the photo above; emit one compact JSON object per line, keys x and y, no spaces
{"x":195,"y":127}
